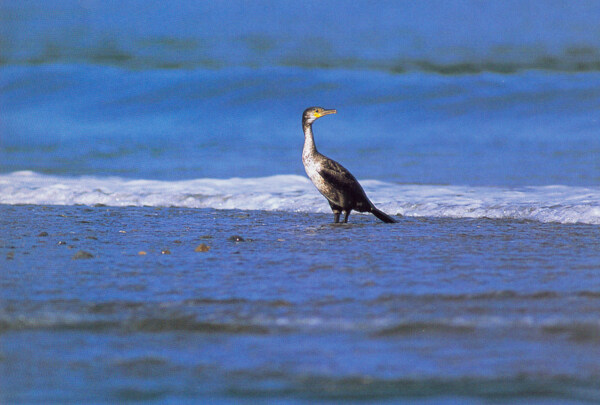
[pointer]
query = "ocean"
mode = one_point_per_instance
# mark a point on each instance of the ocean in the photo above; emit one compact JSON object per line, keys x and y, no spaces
{"x":160,"y":241}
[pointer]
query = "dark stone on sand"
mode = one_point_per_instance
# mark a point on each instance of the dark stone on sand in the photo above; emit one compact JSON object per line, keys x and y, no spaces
{"x":236,"y":238}
{"x":82,"y":254}
{"x":43,"y":234}
{"x":202,"y":248}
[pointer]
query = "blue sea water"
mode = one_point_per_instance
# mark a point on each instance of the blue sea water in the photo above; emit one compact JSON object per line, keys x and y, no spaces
{"x":132,"y":126}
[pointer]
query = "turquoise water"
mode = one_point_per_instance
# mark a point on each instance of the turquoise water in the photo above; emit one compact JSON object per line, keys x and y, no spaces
{"x":532,"y":128}
{"x":150,"y":126}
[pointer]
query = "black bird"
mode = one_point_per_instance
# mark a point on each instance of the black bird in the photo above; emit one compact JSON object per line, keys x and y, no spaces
{"x":337,"y":184}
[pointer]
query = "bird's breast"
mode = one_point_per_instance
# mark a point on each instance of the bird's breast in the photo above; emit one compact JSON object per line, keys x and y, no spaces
{"x":312,"y":168}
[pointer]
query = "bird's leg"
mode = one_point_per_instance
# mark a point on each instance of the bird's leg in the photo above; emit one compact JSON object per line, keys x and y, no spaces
{"x":336,"y":217}
{"x":336,"y":211}
{"x":346,"y":215}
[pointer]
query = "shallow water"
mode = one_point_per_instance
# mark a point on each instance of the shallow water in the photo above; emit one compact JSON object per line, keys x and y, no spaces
{"x":427,"y":309}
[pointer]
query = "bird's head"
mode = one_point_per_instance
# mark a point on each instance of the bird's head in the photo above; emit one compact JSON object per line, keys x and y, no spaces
{"x":312,"y":113}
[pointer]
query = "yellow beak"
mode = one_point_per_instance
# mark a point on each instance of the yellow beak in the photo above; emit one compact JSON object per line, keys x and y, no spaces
{"x":325,"y":112}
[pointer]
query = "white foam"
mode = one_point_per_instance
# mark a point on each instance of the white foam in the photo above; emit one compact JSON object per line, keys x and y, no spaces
{"x":563,"y":204}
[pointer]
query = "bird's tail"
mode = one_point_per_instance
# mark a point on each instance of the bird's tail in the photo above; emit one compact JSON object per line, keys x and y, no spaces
{"x":382,"y":215}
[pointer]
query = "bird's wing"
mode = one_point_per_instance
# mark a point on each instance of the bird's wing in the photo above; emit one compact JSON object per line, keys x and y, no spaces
{"x":337,"y":175}
{"x":343,"y":183}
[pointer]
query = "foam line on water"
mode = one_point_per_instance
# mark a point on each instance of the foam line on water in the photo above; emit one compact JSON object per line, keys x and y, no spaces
{"x":563,"y":204}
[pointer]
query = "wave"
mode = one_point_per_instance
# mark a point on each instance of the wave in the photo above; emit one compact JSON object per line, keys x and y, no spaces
{"x":571,"y":60}
{"x":153,"y":319}
{"x":561,"y":204}
{"x":453,"y":315}
{"x":392,"y":37}
{"x":148,"y":324}
{"x":468,"y":389}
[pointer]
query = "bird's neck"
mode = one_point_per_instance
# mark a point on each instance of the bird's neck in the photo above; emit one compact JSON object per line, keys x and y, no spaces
{"x":309,"y":141}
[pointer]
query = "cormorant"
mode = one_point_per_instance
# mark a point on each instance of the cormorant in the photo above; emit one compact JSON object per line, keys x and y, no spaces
{"x":337,"y":184}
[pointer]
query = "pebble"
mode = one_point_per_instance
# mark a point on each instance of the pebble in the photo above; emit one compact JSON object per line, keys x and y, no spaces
{"x":202,"y":248}
{"x":82,"y":254}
